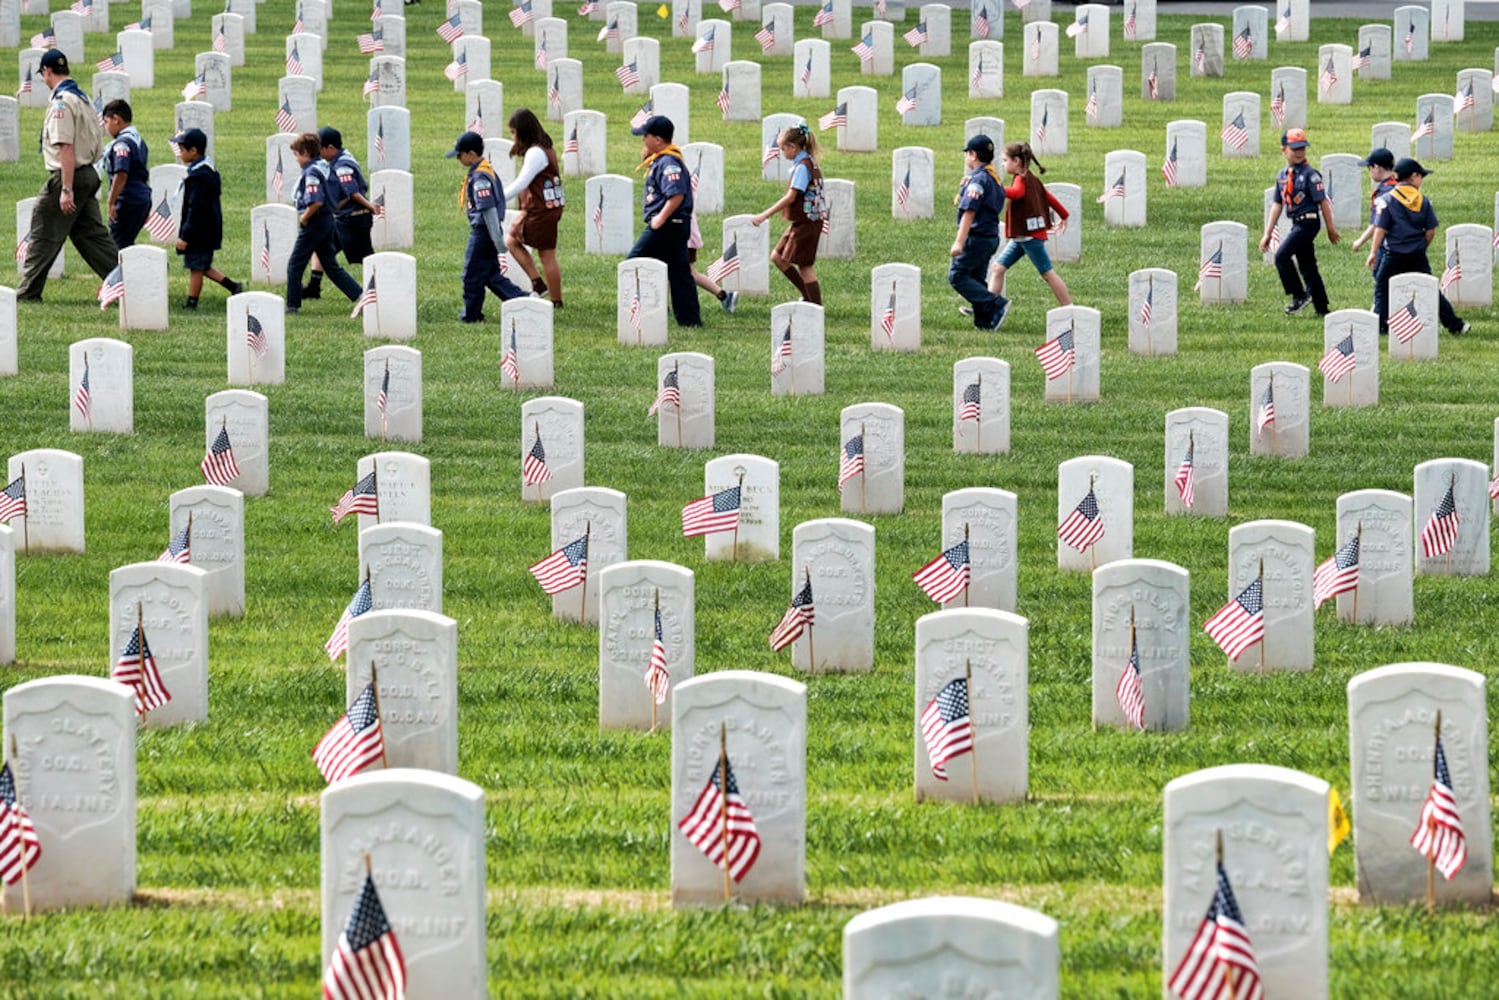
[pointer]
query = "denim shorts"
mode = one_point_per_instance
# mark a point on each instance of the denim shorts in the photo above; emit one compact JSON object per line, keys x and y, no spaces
{"x":1033,"y":248}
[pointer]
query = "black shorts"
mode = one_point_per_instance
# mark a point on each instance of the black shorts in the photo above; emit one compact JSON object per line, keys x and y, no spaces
{"x":197,"y":260}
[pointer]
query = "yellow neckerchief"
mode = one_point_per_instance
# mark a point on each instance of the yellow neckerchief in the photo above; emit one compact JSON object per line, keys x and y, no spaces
{"x":1408,"y":196}
{"x":668,"y":150}
{"x":483,"y":167}
{"x":988,"y":169}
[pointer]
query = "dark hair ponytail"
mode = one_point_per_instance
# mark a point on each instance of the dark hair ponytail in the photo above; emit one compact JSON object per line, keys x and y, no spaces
{"x":1022,"y":151}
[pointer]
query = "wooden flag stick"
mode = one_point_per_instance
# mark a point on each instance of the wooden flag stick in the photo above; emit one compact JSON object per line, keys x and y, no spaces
{"x":863,"y":466}
{"x":676,"y":368}
{"x":973,"y":751}
{"x":1262,"y":612}
{"x":653,"y":648}
{"x":734,"y":551}
{"x":375,"y":471}
{"x":1149,"y":296}
{"x":1350,"y":374}
{"x":368,"y":868}
{"x":140,"y":681}
{"x":1357,"y":568}
{"x":968,"y":585}
{"x":1132,"y":649}
{"x":1228,"y":970}
{"x":375,"y":687}
{"x":638,"y":326}
{"x":26,"y":517}
{"x":811,"y":652}
{"x":386,"y":404}
{"x":583,"y":597}
{"x":723,"y":804}
{"x":189,"y":537}
{"x":15,"y":774}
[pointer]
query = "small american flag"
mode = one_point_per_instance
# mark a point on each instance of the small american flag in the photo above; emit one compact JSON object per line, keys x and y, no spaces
{"x":136,"y":669}
{"x":1057,"y":355}
{"x":778,"y":361}
{"x":571,"y":146}
{"x":716,"y":817}
{"x":728,"y":6}
{"x":670,"y":392}
{"x":144,"y":24}
{"x":23,"y":246}
{"x":294,"y":61}
{"x":255,"y":336}
{"x":1283,"y":23}
{"x":1410,"y":37}
{"x":851,"y":460}
{"x":1453,"y":272}
{"x":766,"y":36}
{"x":1278,"y":107}
{"x":20,"y":848}
{"x":564,"y":569}
{"x":522,"y":14}
{"x":299,"y":25}
{"x":367,"y":964}
{"x":799,"y":616}
{"x":554,"y":92}
{"x":458,"y":68}
{"x":903,"y":190}
{"x":1426,"y":128}
{"x":160,"y":223}
{"x":377,"y":10}
{"x":865,"y":49}
{"x":1266,"y":415}
{"x":772,"y":153}
{"x":371,"y":297}
{"x":1277,"y":235}
{"x":179,"y":549}
{"x":946,"y":576}
{"x":946,"y":727}
{"x":1243,"y":44}
{"x":970,"y":406}
{"x":543,"y":57}
{"x":372,"y":43}
{"x":1090,"y":109}
{"x":916,"y":37}
{"x":477,"y":125}
{"x":976,"y":80}
{"x":265,"y":251}
{"x":1338,"y":575}
{"x":371,"y":83}
{"x":1186,"y":477}
{"x":111,"y":63}
{"x":1240,"y":623}
{"x":714,"y":512}
{"x":806,"y":77}
{"x":881,"y":8}
{"x":1078,"y":27}
{"x":382,"y":399}
{"x":657,"y":677}
{"x":533,"y":467}
{"x":907,"y":102}
{"x":1405,"y":323}
{"x":1464,"y":100}
{"x":82,"y":398}
{"x":13,"y":499}
{"x":1130,"y":24}
{"x":1116,"y":191}
{"x":1021,"y":4}
{"x":1084,"y":526}
{"x":1035,"y":52}
{"x":355,"y":741}
{"x":629,"y":76}
{"x":278,"y":182}
{"x":1211,"y":268}
{"x":1168,"y":169}
{"x":285,"y":120}
{"x":113,"y":288}
{"x":44,"y":39}
{"x":637,"y":318}
{"x":1153,"y":84}
{"x":1130,"y":692}
{"x":1200,"y":59}
{"x":451,"y":30}
{"x":1329,"y":76}
{"x":361,"y":498}
{"x":338,"y":642}
{"x":588,"y":8}
{"x":1339,"y":361}
{"x":218,"y":466}
{"x":726,"y":264}
{"x":1365,"y":58}
{"x":981,"y":23}
{"x":1220,"y":949}
{"x":1439,"y":835}
{"x":723,"y":102}
{"x":643,"y":115}
{"x":220,"y":42}
{"x":824,"y":15}
{"x":510,"y":363}
{"x":609,"y":32}
{"x":26,"y":82}
{"x":1041,"y":128}
{"x":887,"y":317}
{"x":1440,"y":533}
{"x":379,"y":141}
{"x":1234,"y":133}
{"x":84,"y":7}
{"x":705,"y":42}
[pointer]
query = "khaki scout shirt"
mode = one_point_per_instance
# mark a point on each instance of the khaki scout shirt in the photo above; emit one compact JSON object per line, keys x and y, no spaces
{"x":71,"y":120}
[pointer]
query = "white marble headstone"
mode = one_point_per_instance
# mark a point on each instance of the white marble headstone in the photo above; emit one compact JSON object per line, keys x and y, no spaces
{"x":796,"y":370}
{"x":1381,"y":520}
{"x":1288,"y":384}
{"x":1469,"y":555}
{"x":1335,"y":74}
{"x":395,"y":227}
{"x":273,"y":235}
{"x":1288,"y":92}
{"x":8,"y":539}
{"x":558,"y":421}
{"x":1039,"y":52}
{"x":629,"y":596}
{"x":10,"y":129}
{"x":1090,"y":31}
{"x":1412,"y":33}
{"x":1126,"y":169}
{"x":1374,"y":46}
{"x":9,"y":330}
{"x":1438,"y":145}
{"x":139,"y":55}
{"x":304,"y":50}
{"x":1231,"y":241}
{"x":1105,"y":97}
{"x":233,"y":29}
{"x":1081,"y":383}
{"x":1469,"y":245}
{"x":588,"y":129}
{"x":1287,"y":552}
{"x":299,"y":94}
{"x":54,"y":500}
{"x":986,"y":69}
{"x":1049,"y":122}
{"x":988,"y":516}
{"x":741,"y":82}
{"x":1158,"y":72}
{"x":609,"y":202}
{"x":880,"y":488}
{"x":1152,"y":312}
{"x":642,"y":300}
{"x":166,"y":185}
{"x":1241,"y":124}
{"x":217,"y":543}
{"x":1112,"y":483}
{"x":1066,"y":244}
{"x":403,"y":484}
{"x":1361,"y":387}
{"x":109,"y":366}
{"x":393,"y":315}
{"x":838,"y":241}
{"x":1477,"y":83}
{"x":1152,"y":600}
{"x":279,"y":160}
{"x":144,"y":269}
{"x":862,"y":133}
{"x":912,"y":168}
{"x":922,"y":83}
{"x":1447,"y":20}
{"x":402,"y":416}
{"x":1251,"y":33}
{"x":414,"y":654}
{"x":1342,"y":180}
{"x":711,"y":45}
{"x":880,"y":35}
{"x":28,"y":70}
{"x":759,"y":535}
{"x":171,"y":601}
{"x":778,"y":17}
{"x":895,"y":308}
{"x":600,"y":514}
{"x":1292,"y":20}
{"x":981,"y":383}
{"x":1203,"y":432}
{"x":475,"y":50}
{"x":704,"y":162}
{"x":752,"y":244}
{"x":526,"y":327}
{"x":838,"y":553}
{"x":388,"y":73}
{"x":688,"y":423}
{"x":404,"y":564}
{"x":243,"y":414}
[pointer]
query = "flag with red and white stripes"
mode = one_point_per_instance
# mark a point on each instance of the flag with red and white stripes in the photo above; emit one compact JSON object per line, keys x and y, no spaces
{"x":946,"y":726}
{"x":354,"y":742}
{"x":1130,"y":691}
{"x":657,"y":676}
{"x":20,"y":848}
{"x":1339,"y":361}
{"x":1338,"y":575}
{"x":720,"y":825}
{"x":1084,"y":526}
{"x":1240,"y":623}
{"x":1440,"y":533}
{"x":367,"y":963}
{"x":136,"y":669}
{"x":946,"y":576}
{"x":1439,"y":834}
{"x":1220,"y":953}
{"x":564,"y":569}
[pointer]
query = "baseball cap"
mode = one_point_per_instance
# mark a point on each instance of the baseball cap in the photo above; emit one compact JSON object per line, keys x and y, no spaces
{"x":658,"y":125}
{"x":192,"y":138}
{"x":982,"y":145}
{"x":1408,"y":166}
{"x":468,"y":142}
{"x":330,"y":136}
{"x":55,"y":60}
{"x":1294,"y":138}
{"x":1380,"y":157}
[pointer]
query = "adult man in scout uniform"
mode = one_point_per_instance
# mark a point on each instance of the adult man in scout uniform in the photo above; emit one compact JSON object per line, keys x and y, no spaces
{"x":1300,"y":194}
{"x":68,"y":205}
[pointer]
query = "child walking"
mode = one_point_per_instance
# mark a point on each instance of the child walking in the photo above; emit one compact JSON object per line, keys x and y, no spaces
{"x":1026,"y":221}
{"x":980,"y":200}
{"x":804,"y":206}
{"x":202,"y":229}
{"x":539,"y":188}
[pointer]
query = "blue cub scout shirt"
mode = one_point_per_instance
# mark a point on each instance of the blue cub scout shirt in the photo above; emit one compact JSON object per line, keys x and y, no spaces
{"x":978,"y":193}
{"x":312,"y":188}
{"x":666,"y":179}
{"x":1405,"y":230}
{"x":1380,"y":190}
{"x":482,"y":195}
{"x":1306,"y":191}
{"x":350,"y":181}
{"x":127,"y":152}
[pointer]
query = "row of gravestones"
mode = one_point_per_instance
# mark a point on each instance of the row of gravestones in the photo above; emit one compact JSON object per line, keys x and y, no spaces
{"x":423,"y":830}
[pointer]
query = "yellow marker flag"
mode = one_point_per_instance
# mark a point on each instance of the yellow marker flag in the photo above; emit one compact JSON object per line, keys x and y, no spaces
{"x":663,"y":12}
{"x":1338,"y":826}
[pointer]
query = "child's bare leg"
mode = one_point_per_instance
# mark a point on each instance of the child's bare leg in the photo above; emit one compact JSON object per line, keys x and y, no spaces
{"x":1058,"y":287}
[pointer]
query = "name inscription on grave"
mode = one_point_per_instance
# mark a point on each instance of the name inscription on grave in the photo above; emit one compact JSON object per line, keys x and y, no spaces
{"x":990,"y":535}
{"x":1381,"y":541}
{"x":1260,"y":859}
{"x":841,"y":562}
{"x":403,"y":574}
{"x":410,"y":687}
{"x":1284,"y":589}
{"x":762,"y":772}
{"x":48,"y":500}
{"x":631,"y":630}
{"x":412,"y":866}
{"x":1406,"y":738}
{"x":992,"y":702}
{"x":75,"y":763}
{"x":213,"y":539}
{"x":162,"y":612}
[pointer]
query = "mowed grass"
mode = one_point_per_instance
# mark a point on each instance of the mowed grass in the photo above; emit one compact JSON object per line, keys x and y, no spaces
{"x":578,"y":819}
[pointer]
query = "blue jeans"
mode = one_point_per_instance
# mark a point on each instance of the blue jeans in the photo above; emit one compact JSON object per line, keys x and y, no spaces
{"x":481,"y":270}
{"x":669,"y":244}
{"x":1033,"y":248}
{"x":128,"y":222}
{"x":967,"y":275}
{"x":317,"y":238}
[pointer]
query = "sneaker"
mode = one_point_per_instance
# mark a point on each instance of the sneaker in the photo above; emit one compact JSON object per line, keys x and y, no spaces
{"x":965,"y":310}
{"x":1298,"y":303}
{"x":475,"y":319}
{"x":1463,"y":330}
{"x":312,"y":291}
{"x":190,"y":303}
{"x":292,"y":310}
{"x":729,"y":302}
{"x":556,"y":303}
{"x":1000,"y":314}
{"x":234,"y":287}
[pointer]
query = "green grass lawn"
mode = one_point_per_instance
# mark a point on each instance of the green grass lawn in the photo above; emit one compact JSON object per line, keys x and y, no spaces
{"x":578,"y":818}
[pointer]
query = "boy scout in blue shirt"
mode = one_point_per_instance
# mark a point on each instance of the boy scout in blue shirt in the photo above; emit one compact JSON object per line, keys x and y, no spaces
{"x":980,"y":199}
{"x":1299,"y":193}
{"x":129,"y":196}
{"x":1381,"y":164}
{"x":483,"y":202}
{"x":667,"y":211}
{"x":1407,"y":223}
